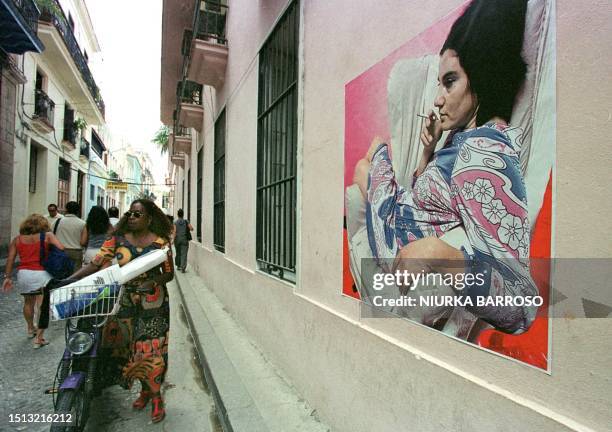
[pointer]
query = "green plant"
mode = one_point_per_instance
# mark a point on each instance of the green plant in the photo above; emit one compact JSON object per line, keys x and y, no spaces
{"x":49,"y":6}
{"x":161,"y":138}
{"x":80,"y":124}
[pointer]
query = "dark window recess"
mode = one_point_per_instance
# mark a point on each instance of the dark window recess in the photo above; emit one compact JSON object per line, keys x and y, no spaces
{"x":219,"y":184}
{"x":276,"y":148}
{"x":70,"y":132}
{"x":183,"y":197}
{"x":96,"y":144}
{"x":33,"y":168}
{"x":85,"y":147}
{"x":80,"y":185}
{"x":39,"y":80}
{"x":63,"y":187}
{"x":189,"y":195}
{"x":199,"y":194}
{"x":92,"y":192}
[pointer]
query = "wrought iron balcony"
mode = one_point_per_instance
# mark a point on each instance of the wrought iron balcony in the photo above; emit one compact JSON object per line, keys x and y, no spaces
{"x":85,"y":147}
{"x":44,"y":111}
{"x":70,"y":134}
{"x":182,"y":140}
{"x":189,"y":104}
{"x":209,"y":21}
{"x":181,"y":131}
{"x":54,"y":15}
{"x":204,"y":47}
{"x":18,"y":26}
{"x":189,"y":92}
{"x":29,"y":12}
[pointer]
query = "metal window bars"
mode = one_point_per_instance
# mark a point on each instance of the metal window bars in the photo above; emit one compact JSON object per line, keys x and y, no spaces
{"x":276,"y":148}
{"x":219,"y":185}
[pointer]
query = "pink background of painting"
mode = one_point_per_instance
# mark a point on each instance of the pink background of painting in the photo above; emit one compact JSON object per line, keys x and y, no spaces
{"x":366,"y":115}
{"x":365,"y":108}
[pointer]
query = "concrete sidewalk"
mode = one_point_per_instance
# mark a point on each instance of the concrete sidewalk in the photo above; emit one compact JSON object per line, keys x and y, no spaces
{"x":250,"y":394}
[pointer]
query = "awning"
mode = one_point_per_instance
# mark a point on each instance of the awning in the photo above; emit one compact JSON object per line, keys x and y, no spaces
{"x":16,"y":34}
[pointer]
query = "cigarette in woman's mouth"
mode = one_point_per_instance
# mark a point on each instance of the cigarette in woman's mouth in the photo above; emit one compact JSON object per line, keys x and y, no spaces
{"x":435,"y":117}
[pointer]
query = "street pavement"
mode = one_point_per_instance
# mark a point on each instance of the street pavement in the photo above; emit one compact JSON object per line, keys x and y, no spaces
{"x":25,"y":373}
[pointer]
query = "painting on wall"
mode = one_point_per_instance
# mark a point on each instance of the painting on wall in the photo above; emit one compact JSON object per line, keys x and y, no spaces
{"x":449,"y":168}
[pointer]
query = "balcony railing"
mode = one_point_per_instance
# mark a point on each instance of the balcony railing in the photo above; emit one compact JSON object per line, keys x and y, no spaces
{"x":209,"y":21}
{"x":189,"y":92}
{"x":44,"y":108}
{"x":55,"y":16}
{"x":181,"y":131}
{"x":29,"y":12}
{"x":70,"y":134}
{"x":85,"y":146}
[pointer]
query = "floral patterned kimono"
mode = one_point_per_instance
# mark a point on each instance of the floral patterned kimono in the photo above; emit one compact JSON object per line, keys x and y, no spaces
{"x":474,"y":182}
{"x":137,"y":336}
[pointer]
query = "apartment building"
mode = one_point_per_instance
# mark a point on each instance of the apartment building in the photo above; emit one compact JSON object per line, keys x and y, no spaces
{"x":57,"y":151}
{"x":18,"y":35}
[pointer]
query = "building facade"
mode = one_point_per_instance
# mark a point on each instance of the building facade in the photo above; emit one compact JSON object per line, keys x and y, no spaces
{"x":255,"y":94}
{"x":59,"y":105}
{"x":18,"y":35}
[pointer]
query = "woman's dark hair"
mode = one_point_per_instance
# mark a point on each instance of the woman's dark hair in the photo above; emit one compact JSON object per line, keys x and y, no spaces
{"x":113,"y":212}
{"x":180,"y":213}
{"x":97,"y":221}
{"x":488,"y":38}
{"x":160,"y":224}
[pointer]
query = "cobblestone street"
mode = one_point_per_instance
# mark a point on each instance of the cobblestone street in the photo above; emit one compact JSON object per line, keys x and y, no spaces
{"x":25,"y":373}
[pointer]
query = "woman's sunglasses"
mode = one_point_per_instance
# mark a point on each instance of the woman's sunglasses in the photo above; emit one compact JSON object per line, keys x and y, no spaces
{"x":137,"y":214}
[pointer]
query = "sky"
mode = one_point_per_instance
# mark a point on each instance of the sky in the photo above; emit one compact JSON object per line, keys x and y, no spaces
{"x":127,"y":70}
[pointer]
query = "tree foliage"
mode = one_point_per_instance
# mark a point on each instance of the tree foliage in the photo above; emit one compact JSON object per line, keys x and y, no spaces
{"x":161,"y":138}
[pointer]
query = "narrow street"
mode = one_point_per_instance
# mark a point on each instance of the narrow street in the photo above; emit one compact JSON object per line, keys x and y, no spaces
{"x":25,"y":373}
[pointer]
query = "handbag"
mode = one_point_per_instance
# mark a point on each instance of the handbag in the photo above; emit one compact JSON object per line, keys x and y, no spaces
{"x":56,"y":262}
{"x":187,"y":231}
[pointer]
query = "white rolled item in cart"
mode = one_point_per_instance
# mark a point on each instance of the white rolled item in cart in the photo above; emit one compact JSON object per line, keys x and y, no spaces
{"x":65,"y":301}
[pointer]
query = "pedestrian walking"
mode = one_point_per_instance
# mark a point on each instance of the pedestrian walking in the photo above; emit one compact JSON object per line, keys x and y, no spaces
{"x":97,"y":228}
{"x":31,"y":276}
{"x":53,"y":215}
{"x":113,"y":214}
{"x":143,"y":319}
{"x":182,"y":235}
{"x":69,"y":231}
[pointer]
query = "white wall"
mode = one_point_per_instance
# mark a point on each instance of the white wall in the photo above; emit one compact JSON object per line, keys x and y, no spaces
{"x":391,"y":375}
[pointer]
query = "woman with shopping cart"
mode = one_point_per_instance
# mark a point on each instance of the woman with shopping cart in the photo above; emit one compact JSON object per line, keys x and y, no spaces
{"x":137,"y":336}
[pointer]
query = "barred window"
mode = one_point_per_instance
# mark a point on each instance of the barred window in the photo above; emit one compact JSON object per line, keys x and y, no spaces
{"x":188,"y":195}
{"x":33,"y":168}
{"x":199,"y":194}
{"x":276,"y":148}
{"x":63,"y":186}
{"x":219,"y":184}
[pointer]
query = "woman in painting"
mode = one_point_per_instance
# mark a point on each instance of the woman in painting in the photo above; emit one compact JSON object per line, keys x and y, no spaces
{"x":138,"y":336}
{"x":474,"y":181}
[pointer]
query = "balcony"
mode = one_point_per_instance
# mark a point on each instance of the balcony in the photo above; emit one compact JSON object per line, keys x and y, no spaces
{"x":18,"y":27}
{"x":178,"y":159}
{"x":177,"y":15}
{"x":182,"y":140}
{"x":191,"y":111}
{"x":84,"y":149}
{"x":44,"y":112}
{"x":205,"y":48}
{"x":66,"y":59}
{"x":70,"y":134}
